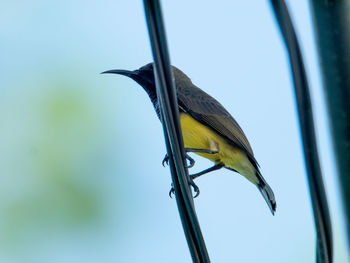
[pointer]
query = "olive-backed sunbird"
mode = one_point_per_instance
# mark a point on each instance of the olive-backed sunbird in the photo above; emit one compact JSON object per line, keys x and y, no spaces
{"x":208,"y":129}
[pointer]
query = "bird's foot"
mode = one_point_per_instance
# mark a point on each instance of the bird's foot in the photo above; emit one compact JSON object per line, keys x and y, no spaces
{"x":191,"y":161}
{"x":165,"y":160}
{"x":189,"y":158}
{"x":191,"y":182}
{"x":172,"y":191}
{"x":195,"y":188}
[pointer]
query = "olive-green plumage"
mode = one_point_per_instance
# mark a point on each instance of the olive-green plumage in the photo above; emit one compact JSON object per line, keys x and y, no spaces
{"x":207,"y":125}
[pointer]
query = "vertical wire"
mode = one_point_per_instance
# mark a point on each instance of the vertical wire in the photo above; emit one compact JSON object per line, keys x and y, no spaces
{"x":324,"y":249}
{"x":331,"y":20}
{"x":167,"y":99}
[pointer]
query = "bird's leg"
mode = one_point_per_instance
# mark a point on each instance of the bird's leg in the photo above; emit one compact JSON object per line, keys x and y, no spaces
{"x":192,"y":162}
{"x":210,"y":169}
{"x":189,"y":158}
{"x":194,"y":176}
{"x":193,"y":150}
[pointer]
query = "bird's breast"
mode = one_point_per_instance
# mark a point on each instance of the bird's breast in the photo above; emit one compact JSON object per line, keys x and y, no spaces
{"x":198,"y":136}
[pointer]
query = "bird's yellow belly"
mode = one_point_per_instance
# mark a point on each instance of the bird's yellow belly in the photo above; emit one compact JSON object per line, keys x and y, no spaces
{"x":199,"y":136}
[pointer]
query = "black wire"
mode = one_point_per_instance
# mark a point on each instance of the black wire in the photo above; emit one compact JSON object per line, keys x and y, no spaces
{"x":332,"y":31}
{"x":172,"y":131}
{"x":324,"y":250}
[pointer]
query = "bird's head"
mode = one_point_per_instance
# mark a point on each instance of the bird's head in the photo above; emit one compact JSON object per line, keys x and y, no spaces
{"x":143,"y":76}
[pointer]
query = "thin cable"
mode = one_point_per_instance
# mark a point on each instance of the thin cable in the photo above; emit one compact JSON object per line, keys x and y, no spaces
{"x":331,"y":20}
{"x":324,"y":249}
{"x":166,"y":93}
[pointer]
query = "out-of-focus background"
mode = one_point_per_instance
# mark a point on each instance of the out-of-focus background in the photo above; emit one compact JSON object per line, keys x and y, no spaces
{"x":80,"y":153}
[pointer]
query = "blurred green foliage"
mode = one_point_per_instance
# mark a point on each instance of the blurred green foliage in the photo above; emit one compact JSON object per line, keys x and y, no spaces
{"x":52,"y":146}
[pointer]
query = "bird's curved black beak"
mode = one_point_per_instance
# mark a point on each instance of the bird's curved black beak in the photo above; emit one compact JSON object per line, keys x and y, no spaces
{"x":136,"y":75}
{"x":127,"y":73}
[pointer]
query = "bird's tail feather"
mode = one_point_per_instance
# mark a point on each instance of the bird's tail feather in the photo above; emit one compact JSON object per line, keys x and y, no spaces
{"x":266,"y":192}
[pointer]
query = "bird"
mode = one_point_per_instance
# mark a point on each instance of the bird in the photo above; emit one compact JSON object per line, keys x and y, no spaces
{"x":208,"y":129}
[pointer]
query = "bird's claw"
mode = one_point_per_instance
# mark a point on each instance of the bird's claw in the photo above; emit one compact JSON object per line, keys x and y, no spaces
{"x":165,"y":161}
{"x":191,"y":161}
{"x":172,"y":191}
{"x":194,"y":186}
{"x":189,"y":158}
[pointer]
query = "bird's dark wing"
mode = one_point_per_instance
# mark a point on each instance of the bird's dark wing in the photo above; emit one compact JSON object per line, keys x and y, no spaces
{"x":207,"y":110}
